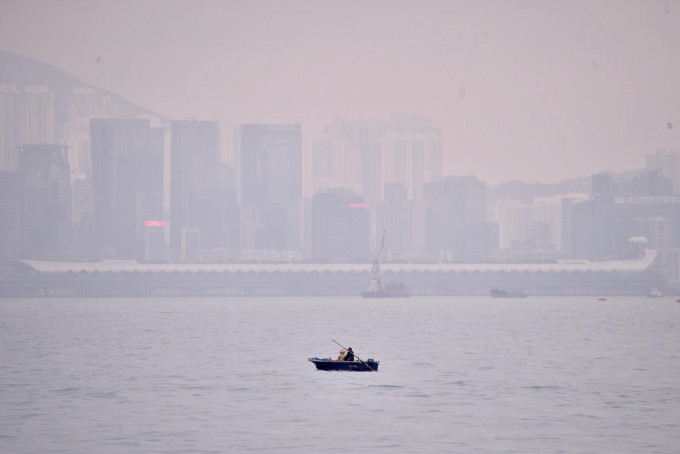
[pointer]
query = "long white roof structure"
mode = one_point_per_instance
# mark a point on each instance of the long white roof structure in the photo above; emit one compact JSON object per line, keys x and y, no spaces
{"x":629,"y":266}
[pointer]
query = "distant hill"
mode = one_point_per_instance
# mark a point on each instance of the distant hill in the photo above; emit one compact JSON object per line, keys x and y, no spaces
{"x":23,"y":71}
{"x":526,"y":191}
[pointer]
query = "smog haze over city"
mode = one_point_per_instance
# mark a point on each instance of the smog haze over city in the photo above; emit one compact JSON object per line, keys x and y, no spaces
{"x":537,"y":91}
{"x":203,"y":203}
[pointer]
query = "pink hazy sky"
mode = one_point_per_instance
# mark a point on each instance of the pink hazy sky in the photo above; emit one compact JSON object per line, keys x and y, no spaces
{"x":522,"y":90}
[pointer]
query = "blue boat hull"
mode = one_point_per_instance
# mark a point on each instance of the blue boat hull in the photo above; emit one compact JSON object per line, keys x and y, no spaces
{"x":349,"y":366}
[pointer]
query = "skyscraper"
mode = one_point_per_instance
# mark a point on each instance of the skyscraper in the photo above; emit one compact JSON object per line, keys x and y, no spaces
{"x":194,"y":181}
{"x":411,"y":153}
{"x":38,"y":115}
{"x":362,"y":153}
{"x":340,"y":226}
{"x":668,"y":164}
{"x":127,"y":160}
{"x":404,"y":150}
{"x":270,"y":157}
{"x":324,"y":165}
{"x":46,"y":207}
{"x":456,"y":219}
{"x":10,"y":127}
{"x":11,"y":191}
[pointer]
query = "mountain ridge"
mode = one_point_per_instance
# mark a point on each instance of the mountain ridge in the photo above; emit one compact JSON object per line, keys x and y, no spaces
{"x":23,"y":71}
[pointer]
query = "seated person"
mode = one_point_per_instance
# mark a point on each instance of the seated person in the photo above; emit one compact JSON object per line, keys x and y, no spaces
{"x":350,"y":355}
{"x":343,"y":353}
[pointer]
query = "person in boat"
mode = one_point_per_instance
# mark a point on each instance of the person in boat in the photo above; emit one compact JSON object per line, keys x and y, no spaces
{"x":343,"y":353}
{"x":350,"y":355}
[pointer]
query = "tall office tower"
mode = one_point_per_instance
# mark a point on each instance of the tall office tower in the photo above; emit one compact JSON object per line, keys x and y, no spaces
{"x":127,"y":160}
{"x":11,"y":195}
{"x":362,"y":154}
{"x":456,"y":219}
{"x":10,"y":127}
{"x":270,"y":157}
{"x":46,"y":209}
{"x":154,"y":241}
{"x":194,"y":182}
{"x":85,"y":103}
{"x":340,"y":227}
{"x":78,"y":139}
{"x":323,"y":165}
{"x":411,"y":153}
{"x":38,"y":115}
{"x":668,"y":164}
{"x":149,"y":212}
{"x":227,"y":212}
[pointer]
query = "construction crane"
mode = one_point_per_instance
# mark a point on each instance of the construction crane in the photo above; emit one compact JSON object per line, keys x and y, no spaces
{"x":376,"y":283}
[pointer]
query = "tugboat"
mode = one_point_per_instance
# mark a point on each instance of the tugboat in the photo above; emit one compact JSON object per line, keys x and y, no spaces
{"x":376,"y":287}
{"x":498,"y":292}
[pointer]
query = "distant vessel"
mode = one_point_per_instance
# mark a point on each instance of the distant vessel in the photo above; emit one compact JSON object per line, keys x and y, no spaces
{"x":376,"y":287}
{"x":498,"y":292}
{"x":654,"y":293}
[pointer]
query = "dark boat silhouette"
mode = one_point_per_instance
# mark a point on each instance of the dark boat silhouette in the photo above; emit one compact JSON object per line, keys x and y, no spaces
{"x":498,"y":292}
{"x":370,"y":365}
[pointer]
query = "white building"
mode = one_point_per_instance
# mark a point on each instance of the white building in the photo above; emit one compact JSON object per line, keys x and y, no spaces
{"x":536,"y":224}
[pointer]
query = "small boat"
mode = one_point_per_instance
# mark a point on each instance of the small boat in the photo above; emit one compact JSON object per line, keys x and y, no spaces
{"x":654,"y":293}
{"x":602,"y":299}
{"x":370,"y":365}
{"x":498,"y":292}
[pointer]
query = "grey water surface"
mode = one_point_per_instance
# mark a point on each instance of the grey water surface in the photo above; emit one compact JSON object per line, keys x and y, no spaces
{"x":468,"y":375}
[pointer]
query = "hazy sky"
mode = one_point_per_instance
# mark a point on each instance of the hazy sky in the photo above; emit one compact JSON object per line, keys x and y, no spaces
{"x":531,"y":90}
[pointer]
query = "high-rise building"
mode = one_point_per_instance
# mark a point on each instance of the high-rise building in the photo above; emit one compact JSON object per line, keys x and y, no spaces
{"x":194,"y":181}
{"x":10,"y":127}
{"x":535,"y":225}
{"x":323,"y":165}
{"x":154,"y":241}
{"x":340,"y":227}
{"x":404,"y":150}
{"x":616,"y":212}
{"x":411,"y":153}
{"x":86,"y":103}
{"x":668,"y":164}
{"x":227,"y":212}
{"x":271,"y":163}
{"x":362,"y":154}
{"x":11,"y":195}
{"x":47,"y":200}
{"x":270,"y":158}
{"x":26,"y":117}
{"x":457,"y":229}
{"x":38,"y":115}
{"x":127,"y":161}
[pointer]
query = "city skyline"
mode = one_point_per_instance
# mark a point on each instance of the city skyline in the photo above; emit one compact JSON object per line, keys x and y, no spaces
{"x":515,"y":89}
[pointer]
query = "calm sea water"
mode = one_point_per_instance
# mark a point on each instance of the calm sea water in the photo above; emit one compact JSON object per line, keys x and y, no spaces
{"x":468,"y":375}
